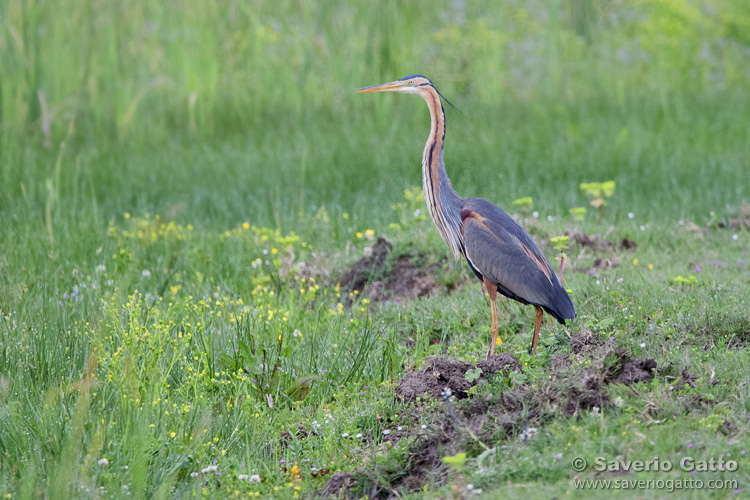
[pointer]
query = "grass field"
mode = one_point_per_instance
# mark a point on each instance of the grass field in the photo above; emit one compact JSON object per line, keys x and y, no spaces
{"x":183,"y":186}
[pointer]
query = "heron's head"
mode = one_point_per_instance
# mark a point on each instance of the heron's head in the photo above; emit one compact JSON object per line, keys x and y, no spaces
{"x":412,"y":84}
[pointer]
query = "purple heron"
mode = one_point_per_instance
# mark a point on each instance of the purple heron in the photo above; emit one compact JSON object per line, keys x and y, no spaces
{"x":499,"y":252}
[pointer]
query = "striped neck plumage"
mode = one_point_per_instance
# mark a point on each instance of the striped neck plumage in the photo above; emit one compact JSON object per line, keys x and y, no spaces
{"x":443,"y":204}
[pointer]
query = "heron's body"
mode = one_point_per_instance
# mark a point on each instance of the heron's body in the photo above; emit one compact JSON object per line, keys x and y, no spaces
{"x":500,"y":253}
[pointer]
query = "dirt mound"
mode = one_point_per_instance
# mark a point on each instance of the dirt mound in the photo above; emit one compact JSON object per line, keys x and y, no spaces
{"x":599,"y":244}
{"x":340,"y":485}
{"x":638,"y":370}
{"x":440,"y":374}
{"x":687,"y":378}
{"x":619,"y":368}
{"x":372,"y":265}
{"x":627,"y":244}
{"x":574,"y":389}
{"x":388,"y":278}
{"x":742,"y":220}
{"x":503,"y":362}
{"x":559,"y":362}
{"x":585,"y":341}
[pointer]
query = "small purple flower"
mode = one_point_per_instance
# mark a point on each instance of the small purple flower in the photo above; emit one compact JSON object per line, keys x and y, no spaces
{"x":692,"y":472}
{"x":691,"y":445}
{"x":737,"y":491}
{"x":743,"y":452}
{"x":282,"y":461}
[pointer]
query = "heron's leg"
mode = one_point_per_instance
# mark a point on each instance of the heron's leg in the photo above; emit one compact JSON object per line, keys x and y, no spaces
{"x":537,"y":326}
{"x":492,"y":291}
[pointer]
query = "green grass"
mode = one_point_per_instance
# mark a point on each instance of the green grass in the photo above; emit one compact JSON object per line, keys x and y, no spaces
{"x":203,"y":162}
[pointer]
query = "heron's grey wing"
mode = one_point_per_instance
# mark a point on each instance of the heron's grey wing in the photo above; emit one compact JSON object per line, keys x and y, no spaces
{"x":505,"y":254}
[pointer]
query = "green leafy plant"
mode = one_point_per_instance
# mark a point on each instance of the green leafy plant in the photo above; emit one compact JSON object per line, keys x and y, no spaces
{"x":690,"y":280}
{"x":578,"y":213}
{"x":473,"y":374}
{"x":560,"y":243}
{"x":598,"y":192}
{"x":456,"y":462}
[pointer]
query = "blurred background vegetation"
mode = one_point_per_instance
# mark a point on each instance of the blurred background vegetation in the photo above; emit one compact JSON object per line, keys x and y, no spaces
{"x":247,"y":107}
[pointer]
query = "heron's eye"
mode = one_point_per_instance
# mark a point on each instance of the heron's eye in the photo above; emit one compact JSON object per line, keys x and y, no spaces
{"x":411,"y":82}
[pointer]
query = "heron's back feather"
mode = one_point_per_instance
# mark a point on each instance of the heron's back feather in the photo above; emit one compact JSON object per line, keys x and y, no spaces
{"x":498,"y":248}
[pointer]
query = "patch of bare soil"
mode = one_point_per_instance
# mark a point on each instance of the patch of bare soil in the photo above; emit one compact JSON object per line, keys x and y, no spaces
{"x":559,"y":363}
{"x":638,"y":370}
{"x":586,"y":341}
{"x":514,"y":414}
{"x":388,"y":278}
{"x":340,"y":485}
{"x":503,"y":362}
{"x":742,"y":220}
{"x":687,"y":378}
{"x":440,"y":374}
{"x":299,"y":433}
{"x":599,"y":244}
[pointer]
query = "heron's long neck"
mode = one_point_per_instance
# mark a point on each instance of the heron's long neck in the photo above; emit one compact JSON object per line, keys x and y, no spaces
{"x":443,"y":203}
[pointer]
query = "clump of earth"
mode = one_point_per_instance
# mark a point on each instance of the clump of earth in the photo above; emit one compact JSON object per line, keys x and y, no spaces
{"x":385,"y":277}
{"x":515,"y":413}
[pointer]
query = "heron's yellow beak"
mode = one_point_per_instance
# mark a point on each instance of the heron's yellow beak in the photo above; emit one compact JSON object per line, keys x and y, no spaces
{"x":386,"y":87}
